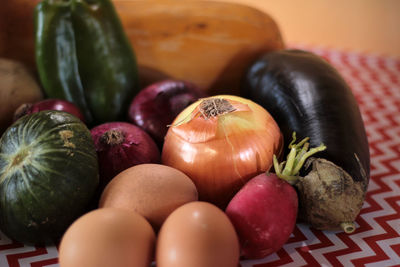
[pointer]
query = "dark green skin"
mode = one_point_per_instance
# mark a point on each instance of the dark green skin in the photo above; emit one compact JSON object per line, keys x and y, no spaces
{"x":84,"y":56}
{"x":48,"y":175}
{"x":56,"y":58}
{"x":107,"y":63}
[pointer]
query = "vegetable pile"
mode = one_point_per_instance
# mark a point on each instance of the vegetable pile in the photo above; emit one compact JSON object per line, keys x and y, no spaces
{"x":83,"y":56}
{"x":172,"y":169}
{"x":306,"y":95}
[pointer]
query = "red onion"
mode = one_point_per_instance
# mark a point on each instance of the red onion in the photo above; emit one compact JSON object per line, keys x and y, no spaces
{"x":121,"y":145}
{"x":157,"y":105}
{"x":48,"y":104}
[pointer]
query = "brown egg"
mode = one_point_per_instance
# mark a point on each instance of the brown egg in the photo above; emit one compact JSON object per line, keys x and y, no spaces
{"x":152,"y":190}
{"x":197,"y":234}
{"x":108,"y":237}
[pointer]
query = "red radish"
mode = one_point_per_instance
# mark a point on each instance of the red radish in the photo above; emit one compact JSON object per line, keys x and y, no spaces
{"x":157,"y":105}
{"x":264,"y":211}
{"x":48,"y":104}
{"x":121,"y":145}
{"x":264,"y":214}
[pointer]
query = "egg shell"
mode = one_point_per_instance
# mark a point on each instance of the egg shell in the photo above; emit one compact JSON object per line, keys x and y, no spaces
{"x":152,"y":190}
{"x":197,"y":234}
{"x":108,"y":237}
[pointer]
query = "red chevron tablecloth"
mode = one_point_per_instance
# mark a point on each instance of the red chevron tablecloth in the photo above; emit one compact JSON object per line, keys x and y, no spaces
{"x":375,"y":81}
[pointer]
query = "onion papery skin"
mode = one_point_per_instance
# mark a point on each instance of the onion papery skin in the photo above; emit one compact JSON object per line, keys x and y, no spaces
{"x":157,"y":105}
{"x":220,"y":154}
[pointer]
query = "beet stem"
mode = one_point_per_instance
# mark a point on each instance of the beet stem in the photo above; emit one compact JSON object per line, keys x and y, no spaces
{"x":307,"y":155}
{"x":295,"y":160}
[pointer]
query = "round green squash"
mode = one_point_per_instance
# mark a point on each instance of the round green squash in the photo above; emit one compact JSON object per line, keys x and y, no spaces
{"x":48,"y":175}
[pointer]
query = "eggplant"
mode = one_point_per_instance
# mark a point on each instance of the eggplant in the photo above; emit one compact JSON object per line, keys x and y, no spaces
{"x":308,"y":96}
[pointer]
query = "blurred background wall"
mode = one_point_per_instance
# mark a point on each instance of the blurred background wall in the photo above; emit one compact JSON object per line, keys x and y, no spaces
{"x":371,"y":26}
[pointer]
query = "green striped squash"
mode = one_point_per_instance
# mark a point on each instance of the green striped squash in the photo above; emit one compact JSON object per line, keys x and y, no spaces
{"x":48,"y":175}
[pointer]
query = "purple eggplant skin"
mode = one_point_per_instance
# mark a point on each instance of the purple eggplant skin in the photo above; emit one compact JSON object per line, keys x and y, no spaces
{"x":307,"y":95}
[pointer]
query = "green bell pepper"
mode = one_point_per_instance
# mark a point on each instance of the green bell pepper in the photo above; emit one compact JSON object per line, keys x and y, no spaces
{"x":84,"y":56}
{"x":56,"y":58}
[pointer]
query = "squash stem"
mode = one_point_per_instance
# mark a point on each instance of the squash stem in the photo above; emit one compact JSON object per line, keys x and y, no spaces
{"x":295,"y":160}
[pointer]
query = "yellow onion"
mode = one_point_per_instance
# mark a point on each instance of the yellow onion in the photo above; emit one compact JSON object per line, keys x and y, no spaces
{"x":221,"y":142}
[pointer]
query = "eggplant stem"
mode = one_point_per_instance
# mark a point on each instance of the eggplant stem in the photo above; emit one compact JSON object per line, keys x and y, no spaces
{"x":295,"y":160}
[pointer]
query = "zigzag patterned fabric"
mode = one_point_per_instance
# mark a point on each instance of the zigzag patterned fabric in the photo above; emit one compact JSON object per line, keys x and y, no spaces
{"x":375,"y":81}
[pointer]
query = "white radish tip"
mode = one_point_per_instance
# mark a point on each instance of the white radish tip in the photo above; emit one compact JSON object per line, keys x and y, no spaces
{"x":348,"y":227}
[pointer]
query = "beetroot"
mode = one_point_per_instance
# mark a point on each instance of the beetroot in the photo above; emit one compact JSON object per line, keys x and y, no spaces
{"x":264,"y":211}
{"x":49,"y":104}
{"x":156,"y":106}
{"x":120,"y":145}
{"x":264,"y":214}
